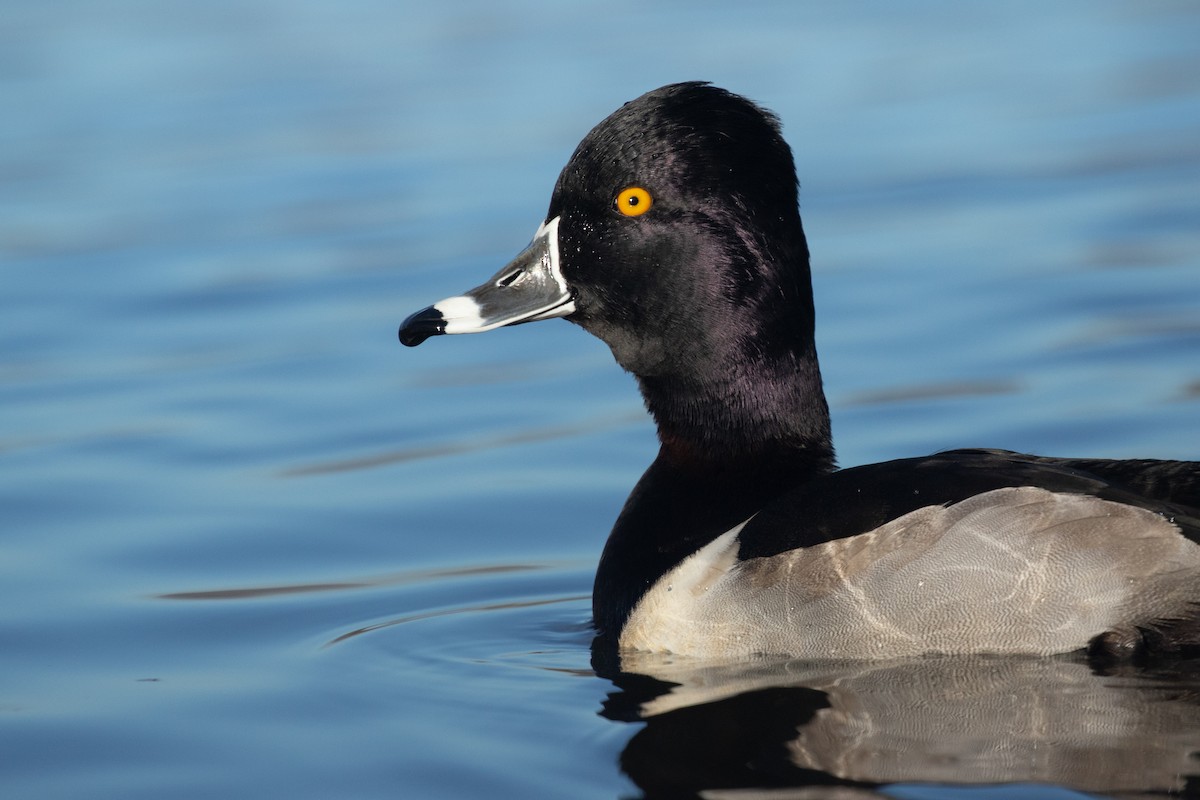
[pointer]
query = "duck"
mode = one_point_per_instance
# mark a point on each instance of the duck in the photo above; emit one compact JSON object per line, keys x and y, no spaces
{"x":674,"y":235}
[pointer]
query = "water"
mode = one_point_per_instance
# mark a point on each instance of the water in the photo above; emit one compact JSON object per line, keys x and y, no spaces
{"x":249,"y":546}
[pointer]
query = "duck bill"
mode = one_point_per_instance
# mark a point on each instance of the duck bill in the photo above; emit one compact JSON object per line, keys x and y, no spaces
{"x":530,"y":288}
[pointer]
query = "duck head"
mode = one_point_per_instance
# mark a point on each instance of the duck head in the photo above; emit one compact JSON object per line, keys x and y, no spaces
{"x":674,"y":235}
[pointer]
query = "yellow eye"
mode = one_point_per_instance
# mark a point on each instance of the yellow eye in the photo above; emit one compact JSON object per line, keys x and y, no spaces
{"x":634,"y":201}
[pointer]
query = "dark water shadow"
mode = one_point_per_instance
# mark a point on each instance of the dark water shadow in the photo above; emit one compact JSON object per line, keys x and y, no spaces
{"x":480,"y":608}
{"x":465,"y":445}
{"x":397,"y":579}
{"x":853,"y":729}
{"x":931,"y":391}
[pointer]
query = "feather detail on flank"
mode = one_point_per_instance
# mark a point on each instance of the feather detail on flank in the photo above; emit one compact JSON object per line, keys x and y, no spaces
{"x":1015,"y":570}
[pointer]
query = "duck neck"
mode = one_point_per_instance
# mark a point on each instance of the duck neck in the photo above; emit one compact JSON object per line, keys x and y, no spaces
{"x":756,"y":410}
{"x":726,"y":451}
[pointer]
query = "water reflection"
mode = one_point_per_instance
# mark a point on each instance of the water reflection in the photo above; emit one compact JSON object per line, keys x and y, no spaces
{"x":963,"y":721}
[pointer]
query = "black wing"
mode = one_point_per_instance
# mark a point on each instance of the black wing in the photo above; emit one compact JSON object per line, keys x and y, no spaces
{"x":860,"y":499}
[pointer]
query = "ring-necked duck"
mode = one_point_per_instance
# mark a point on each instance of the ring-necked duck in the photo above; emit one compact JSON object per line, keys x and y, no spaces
{"x":674,"y":235}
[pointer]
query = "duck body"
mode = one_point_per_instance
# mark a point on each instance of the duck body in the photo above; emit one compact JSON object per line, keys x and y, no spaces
{"x":674,"y":235}
{"x":964,"y":551}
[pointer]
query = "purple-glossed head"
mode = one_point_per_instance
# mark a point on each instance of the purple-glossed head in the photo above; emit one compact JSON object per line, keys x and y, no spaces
{"x":673,"y":234}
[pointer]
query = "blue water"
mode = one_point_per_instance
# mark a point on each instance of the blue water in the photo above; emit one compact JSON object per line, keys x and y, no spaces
{"x":251,"y":547}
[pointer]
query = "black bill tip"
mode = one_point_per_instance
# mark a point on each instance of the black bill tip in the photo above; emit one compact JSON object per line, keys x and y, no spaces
{"x":421,"y":325}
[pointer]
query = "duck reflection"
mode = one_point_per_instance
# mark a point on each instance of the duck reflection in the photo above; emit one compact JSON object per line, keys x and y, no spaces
{"x":860,"y":726}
